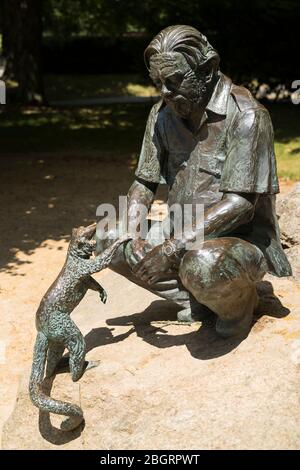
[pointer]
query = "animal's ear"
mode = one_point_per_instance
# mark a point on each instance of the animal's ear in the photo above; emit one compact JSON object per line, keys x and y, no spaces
{"x":74,"y":232}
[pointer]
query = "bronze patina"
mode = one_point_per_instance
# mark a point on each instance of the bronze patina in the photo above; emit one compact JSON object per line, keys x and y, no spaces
{"x":211,"y":142}
{"x":57,"y":331}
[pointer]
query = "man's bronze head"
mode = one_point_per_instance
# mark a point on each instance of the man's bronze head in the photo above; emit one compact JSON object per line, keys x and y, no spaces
{"x":182,"y":65}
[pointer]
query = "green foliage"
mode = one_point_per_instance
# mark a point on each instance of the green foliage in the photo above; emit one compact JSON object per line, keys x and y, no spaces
{"x":255,"y":39}
{"x":91,"y":17}
{"x":117,"y":129}
{"x":114,"y":17}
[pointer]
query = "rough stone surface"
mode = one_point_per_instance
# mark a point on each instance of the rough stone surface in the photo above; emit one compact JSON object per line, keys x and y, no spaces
{"x":293,"y":255}
{"x":164,"y":385}
{"x":288,"y":210}
{"x":159,"y":384}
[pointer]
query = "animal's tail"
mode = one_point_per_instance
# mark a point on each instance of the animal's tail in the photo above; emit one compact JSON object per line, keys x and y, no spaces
{"x":38,"y":397}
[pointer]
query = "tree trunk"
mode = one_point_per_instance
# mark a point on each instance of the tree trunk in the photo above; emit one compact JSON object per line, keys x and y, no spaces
{"x":22,"y":41}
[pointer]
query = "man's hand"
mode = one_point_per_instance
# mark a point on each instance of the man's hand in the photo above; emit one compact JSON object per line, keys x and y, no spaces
{"x":136,"y":250}
{"x":140,"y":248}
{"x":153,"y":266}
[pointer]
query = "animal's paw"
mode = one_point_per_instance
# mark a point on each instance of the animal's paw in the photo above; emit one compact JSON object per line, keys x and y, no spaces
{"x":103,"y":296}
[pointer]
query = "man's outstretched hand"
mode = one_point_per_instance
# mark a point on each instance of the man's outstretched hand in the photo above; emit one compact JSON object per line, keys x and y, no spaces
{"x":136,"y":250}
{"x":154,"y":265}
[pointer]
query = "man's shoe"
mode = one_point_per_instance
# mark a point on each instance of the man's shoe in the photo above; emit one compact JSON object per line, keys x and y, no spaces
{"x":195,"y":312}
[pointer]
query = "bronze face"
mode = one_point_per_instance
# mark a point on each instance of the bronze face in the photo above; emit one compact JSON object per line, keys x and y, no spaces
{"x":179,"y":85}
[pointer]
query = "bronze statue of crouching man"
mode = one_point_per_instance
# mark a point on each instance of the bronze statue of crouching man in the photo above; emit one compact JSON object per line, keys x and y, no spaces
{"x":211,"y":142}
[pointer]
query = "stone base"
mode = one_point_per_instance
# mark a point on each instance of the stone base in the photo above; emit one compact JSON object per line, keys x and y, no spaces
{"x":165,"y":385}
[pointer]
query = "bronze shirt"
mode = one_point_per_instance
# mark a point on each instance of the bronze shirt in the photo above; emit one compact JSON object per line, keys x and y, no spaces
{"x":232,"y":151}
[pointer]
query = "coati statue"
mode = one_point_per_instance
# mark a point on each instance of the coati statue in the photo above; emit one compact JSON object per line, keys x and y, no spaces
{"x":56,"y":330}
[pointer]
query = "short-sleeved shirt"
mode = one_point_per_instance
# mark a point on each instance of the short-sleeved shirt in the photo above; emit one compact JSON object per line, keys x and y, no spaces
{"x":232,"y":151}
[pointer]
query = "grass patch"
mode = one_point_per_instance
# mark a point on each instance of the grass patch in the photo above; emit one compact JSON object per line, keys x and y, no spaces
{"x":286,"y":122}
{"x":288,"y":159}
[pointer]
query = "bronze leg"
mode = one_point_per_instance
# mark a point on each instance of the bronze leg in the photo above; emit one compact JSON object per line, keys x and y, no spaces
{"x":222,"y":275}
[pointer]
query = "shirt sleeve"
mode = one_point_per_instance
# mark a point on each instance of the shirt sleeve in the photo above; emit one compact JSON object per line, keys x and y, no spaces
{"x":152,"y":157}
{"x":250,"y":165}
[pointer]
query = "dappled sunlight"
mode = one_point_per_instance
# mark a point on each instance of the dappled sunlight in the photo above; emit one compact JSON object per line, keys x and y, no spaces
{"x":36,"y":121}
{"x":118,"y":129}
{"x":141,"y":90}
{"x":23,"y":259}
{"x":133,"y":161}
{"x":115,"y":128}
{"x":68,"y":87}
{"x":45,"y":198}
{"x":35,"y":110}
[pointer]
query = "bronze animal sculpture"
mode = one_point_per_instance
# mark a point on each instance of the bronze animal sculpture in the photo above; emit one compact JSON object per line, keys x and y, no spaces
{"x":56,"y":330}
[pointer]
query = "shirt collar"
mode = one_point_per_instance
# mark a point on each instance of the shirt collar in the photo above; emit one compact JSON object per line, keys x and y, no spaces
{"x":219,"y":98}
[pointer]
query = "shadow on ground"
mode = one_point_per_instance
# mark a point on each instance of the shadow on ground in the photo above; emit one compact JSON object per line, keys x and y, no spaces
{"x":45,"y":197}
{"x":151,"y":326}
{"x":202,"y":344}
